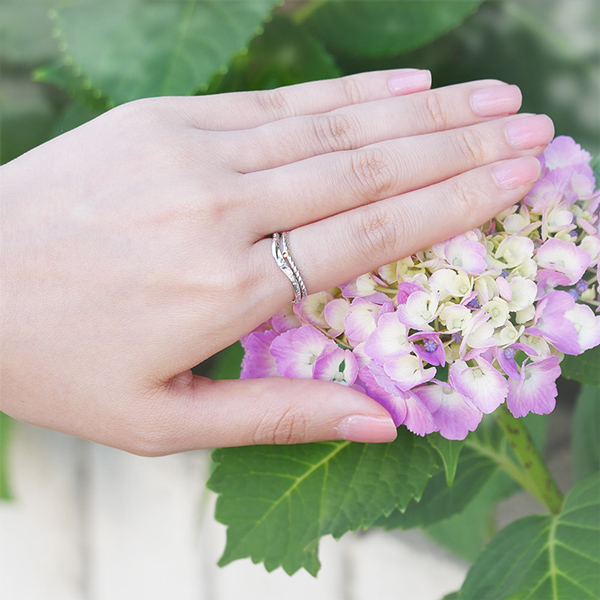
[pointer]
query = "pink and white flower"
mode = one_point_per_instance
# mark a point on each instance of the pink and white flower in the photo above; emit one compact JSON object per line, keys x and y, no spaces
{"x":499,"y":305}
{"x":453,"y":414}
{"x":483,"y":385}
{"x":296,"y":351}
{"x":339,"y":366}
{"x":535,"y":391}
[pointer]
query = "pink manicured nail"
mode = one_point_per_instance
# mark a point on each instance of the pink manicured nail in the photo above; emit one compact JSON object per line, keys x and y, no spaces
{"x":360,"y":428}
{"x":406,"y":81}
{"x":528,"y":132}
{"x":496,"y":100}
{"x":517,"y":173}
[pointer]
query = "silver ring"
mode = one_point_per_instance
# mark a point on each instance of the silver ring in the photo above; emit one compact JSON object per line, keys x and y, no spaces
{"x":284,"y":260}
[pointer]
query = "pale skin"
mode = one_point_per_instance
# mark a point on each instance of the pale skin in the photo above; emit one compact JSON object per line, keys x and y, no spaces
{"x":136,"y":246}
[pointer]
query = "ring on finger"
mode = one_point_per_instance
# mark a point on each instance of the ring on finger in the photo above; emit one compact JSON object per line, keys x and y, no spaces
{"x":284,"y":260}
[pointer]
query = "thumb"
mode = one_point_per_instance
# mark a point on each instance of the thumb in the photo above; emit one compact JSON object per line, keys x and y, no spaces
{"x":200,"y":413}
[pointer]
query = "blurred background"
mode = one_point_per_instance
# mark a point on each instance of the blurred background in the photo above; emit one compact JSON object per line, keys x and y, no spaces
{"x":91,"y":522}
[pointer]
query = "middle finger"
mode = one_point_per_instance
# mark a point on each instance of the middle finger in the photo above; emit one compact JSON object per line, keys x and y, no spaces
{"x":309,"y":190}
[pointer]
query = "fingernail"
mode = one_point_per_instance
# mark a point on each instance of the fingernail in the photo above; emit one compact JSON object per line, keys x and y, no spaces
{"x":517,"y":173}
{"x":496,"y":100}
{"x":360,"y":428}
{"x":529,"y":132}
{"x":406,"y":81}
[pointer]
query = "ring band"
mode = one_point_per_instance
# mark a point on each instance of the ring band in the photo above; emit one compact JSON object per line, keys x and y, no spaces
{"x":284,"y":260}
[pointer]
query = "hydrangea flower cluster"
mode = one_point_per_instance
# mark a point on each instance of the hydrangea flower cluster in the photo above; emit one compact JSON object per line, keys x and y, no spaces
{"x":452,"y":332}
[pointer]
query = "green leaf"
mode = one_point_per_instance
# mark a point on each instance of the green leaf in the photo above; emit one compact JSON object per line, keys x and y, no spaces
{"x":277,"y":501}
{"x":71,"y":80}
{"x":132,"y":49}
{"x":449,"y":451}
{"x":376,"y":28}
{"x":586,"y":433}
{"x":478,"y":469}
{"x":584,"y":368}
{"x":554,"y":557}
{"x":227,"y":364}
{"x":452,"y":596}
{"x":5,"y":426}
{"x":439,"y":501}
{"x":595,"y":164}
{"x":284,"y":54}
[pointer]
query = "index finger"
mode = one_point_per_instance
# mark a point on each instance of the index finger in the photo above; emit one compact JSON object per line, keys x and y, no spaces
{"x":246,"y":110}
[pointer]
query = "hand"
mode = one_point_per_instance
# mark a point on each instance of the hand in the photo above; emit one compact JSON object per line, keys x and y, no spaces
{"x":136,"y":246}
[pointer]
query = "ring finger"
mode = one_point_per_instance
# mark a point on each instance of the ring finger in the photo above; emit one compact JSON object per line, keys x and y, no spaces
{"x":347,"y":245}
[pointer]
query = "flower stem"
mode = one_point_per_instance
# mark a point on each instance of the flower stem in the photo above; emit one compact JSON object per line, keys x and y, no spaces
{"x":537,"y":479}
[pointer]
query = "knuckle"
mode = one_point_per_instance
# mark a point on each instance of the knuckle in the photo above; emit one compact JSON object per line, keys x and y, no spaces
{"x":353,"y":90}
{"x":146,"y":110}
{"x":370,"y":168}
{"x":471,"y":146}
{"x":378,"y":232}
{"x":274,"y":103}
{"x":335,"y":132}
{"x":147,"y":442}
{"x":289,"y":427}
{"x":464,"y":197}
{"x":435,"y":111}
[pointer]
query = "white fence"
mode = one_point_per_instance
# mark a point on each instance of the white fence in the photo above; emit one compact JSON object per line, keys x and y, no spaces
{"x":94,"y":523}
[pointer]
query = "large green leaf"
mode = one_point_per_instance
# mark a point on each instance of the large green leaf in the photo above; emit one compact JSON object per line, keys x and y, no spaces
{"x":5,"y":425}
{"x":586,"y":433}
{"x":584,"y":368}
{"x":440,"y":501}
{"x":277,"y":501}
{"x":485,"y":453}
{"x":132,"y":49}
{"x":544,"y":557}
{"x":378,"y":28}
{"x":284,"y":54}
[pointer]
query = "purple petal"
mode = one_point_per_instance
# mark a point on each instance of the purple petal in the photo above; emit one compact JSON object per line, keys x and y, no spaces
{"x":506,"y":359}
{"x":328,"y":367}
{"x":405,"y":289}
{"x":464,"y":253}
{"x":563,"y":257}
{"x":407,"y":371}
{"x":258,"y":361}
{"x":432,"y":350}
{"x":394,"y":404}
{"x":483,"y":385}
{"x":418,"y":419}
{"x":285,"y":319}
{"x":297,"y":350}
{"x":453,"y":415}
{"x":587,"y":326}
{"x":388,"y":340}
{"x":536,"y":390}
{"x":550,"y":322}
{"x":360,"y":320}
{"x":563,"y":151}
